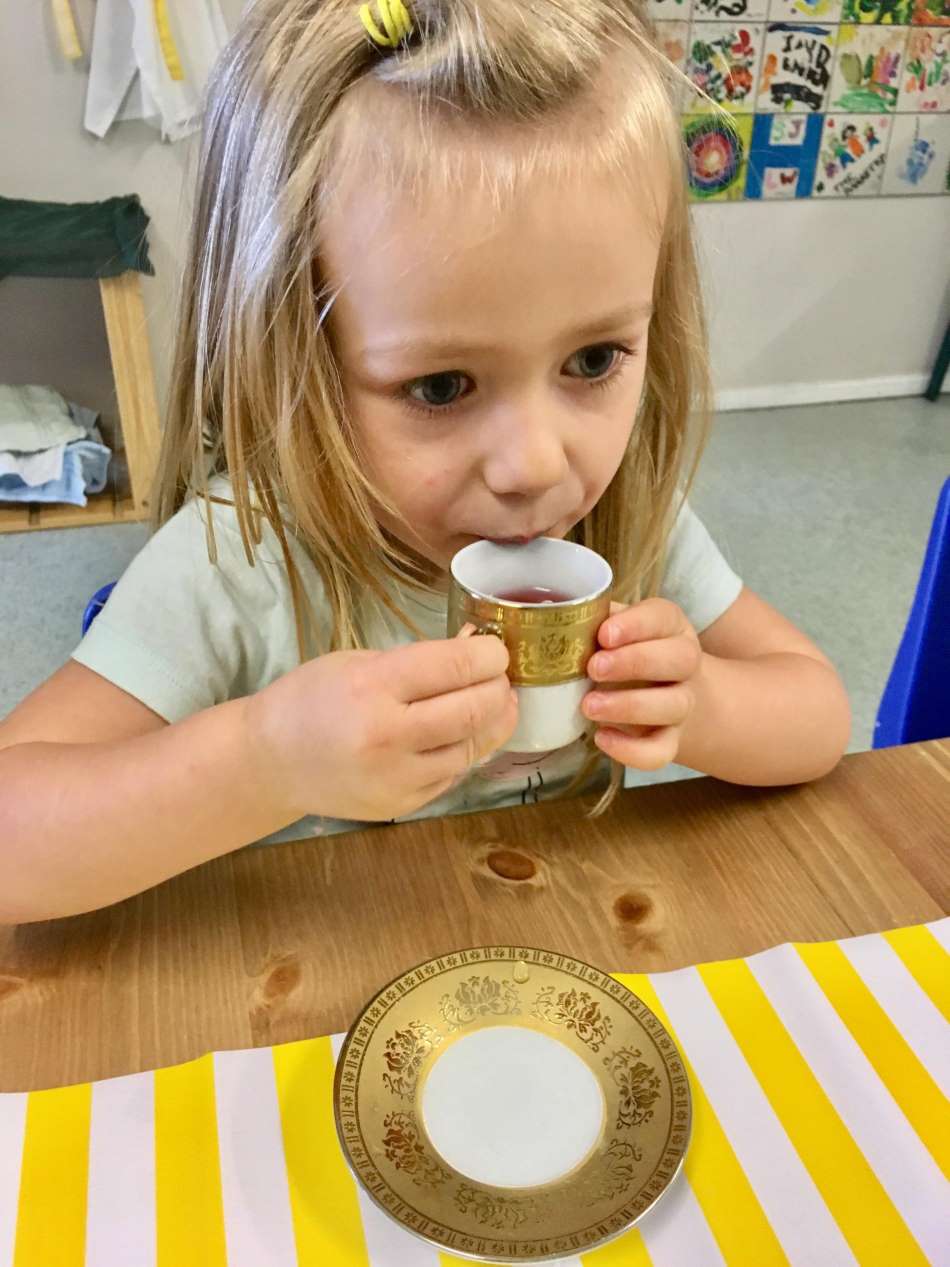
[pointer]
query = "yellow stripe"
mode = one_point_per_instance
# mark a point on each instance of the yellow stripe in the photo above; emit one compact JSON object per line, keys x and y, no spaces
{"x":917,"y":1095}
{"x":54,"y":1177}
{"x":323,"y":1201}
{"x":66,"y":30}
{"x":167,"y":41}
{"x":849,"y":1187}
{"x":626,"y":1251}
{"x":926,"y":961}
{"x":189,"y":1209}
{"x":736,"y":1219}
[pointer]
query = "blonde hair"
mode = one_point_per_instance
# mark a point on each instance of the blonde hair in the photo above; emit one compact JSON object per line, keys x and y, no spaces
{"x":256,"y":389}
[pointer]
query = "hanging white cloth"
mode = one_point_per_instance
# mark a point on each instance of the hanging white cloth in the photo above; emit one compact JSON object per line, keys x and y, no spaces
{"x":151,"y":60}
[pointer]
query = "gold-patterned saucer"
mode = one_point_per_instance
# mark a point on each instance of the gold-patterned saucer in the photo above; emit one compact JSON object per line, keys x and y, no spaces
{"x":447,"y":1064}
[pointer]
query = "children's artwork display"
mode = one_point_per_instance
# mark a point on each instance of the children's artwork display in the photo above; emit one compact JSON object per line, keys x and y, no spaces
{"x":852,"y":156}
{"x":723,"y":61}
{"x":783,"y":155}
{"x":918,"y":157}
{"x":717,"y":152}
{"x":796,"y":67}
{"x":799,"y":99}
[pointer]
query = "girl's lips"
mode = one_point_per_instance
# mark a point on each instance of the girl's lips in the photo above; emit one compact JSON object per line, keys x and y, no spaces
{"x":520,"y":541}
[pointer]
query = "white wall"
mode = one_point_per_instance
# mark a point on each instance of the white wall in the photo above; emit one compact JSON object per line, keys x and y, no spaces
{"x":807,"y":301}
{"x":824,"y":300}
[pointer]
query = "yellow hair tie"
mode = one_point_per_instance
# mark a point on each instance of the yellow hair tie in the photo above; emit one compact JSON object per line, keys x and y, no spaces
{"x":395,"y":18}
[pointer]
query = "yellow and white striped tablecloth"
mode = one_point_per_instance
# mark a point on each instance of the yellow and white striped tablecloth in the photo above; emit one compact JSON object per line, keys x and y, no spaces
{"x":820,"y":1075}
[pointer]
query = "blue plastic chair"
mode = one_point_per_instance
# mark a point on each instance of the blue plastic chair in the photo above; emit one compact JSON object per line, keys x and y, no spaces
{"x":95,"y":606}
{"x":916,"y":701}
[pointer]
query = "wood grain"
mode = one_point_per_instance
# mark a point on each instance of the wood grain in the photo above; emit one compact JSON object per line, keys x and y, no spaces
{"x":101,"y":508}
{"x":285,"y":942}
{"x":127,"y":332}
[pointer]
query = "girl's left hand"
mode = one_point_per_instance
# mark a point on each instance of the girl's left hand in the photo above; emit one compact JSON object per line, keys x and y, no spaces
{"x":654,"y":646}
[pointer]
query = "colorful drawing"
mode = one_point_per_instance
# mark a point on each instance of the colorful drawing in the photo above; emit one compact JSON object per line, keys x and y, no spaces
{"x":868,"y":68}
{"x":825,"y":98}
{"x":796,"y":67}
{"x":852,"y":156}
{"x":931,"y":13}
{"x":918,"y":160}
{"x":666,"y":10}
{"x":877,"y":12}
{"x":783,"y":155}
{"x":805,"y":10}
{"x":730,"y":10}
{"x":723,"y":60}
{"x":673,"y":40}
{"x":717,"y":150}
{"x":926,"y":78}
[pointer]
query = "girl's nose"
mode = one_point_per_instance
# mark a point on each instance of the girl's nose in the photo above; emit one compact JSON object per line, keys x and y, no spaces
{"x":526,"y":457}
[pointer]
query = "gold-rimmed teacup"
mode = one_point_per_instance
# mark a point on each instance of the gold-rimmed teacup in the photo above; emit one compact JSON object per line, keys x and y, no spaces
{"x":549,"y":642}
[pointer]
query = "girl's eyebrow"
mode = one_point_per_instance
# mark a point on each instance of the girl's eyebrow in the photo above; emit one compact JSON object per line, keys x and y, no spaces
{"x":445,"y":346}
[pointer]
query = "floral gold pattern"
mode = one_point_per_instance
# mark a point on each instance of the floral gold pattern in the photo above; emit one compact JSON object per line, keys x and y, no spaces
{"x":577,"y":1012}
{"x":553,"y":654}
{"x":639,"y":1086}
{"x":404,"y":1054}
{"x":403,"y":1148}
{"x":479,"y":996}
{"x":500,"y":1213}
{"x":618,"y":1173}
{"x":381,"y":1124}
{"x":547,"y":645}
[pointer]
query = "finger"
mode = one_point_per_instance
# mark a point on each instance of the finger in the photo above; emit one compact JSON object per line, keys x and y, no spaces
{"x":457,"y":716}
{"x":649,"y":706}
{"x":424,"y":669}
{"x":454,"y":759}
{"x":650,"y":751}
{"x":653,"y":618}
{"x":660,"y":660}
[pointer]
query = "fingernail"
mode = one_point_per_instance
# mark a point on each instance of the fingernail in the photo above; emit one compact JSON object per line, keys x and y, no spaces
{"x":609,"y":634}
{"x":600,"y":664}
{"x":593,"y":705}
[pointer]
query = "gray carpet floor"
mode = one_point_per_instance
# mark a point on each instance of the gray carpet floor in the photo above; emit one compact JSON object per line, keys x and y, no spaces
{"x":823,"y":510}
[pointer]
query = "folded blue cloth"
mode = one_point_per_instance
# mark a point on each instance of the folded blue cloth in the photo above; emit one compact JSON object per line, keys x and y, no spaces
{"x":85,"y":469}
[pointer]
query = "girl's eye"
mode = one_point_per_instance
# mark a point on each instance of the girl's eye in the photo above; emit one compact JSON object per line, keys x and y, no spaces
{"x":438,"y":391}
{"x":595,"y":365}
{"x":596,"y":361}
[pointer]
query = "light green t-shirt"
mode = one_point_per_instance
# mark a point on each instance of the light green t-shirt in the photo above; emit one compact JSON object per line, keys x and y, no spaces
{"x":182,"y":634}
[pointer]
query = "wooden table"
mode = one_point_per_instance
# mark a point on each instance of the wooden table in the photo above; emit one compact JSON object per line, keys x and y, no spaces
{"x":268,"y":945}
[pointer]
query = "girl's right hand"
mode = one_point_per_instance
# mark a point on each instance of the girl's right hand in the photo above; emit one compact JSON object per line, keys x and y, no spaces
{"x":374,"y":735}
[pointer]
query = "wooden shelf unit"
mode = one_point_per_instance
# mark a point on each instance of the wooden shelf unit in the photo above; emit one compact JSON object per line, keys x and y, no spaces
{"x":127,"y":333}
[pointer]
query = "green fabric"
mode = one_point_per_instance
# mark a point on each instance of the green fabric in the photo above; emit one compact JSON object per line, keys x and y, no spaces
{"x":73,"y":239}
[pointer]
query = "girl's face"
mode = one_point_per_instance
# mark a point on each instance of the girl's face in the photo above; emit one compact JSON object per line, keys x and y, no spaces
{"x":492,"y":361}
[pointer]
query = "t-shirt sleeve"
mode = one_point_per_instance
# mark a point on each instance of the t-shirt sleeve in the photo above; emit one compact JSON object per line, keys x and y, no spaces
{"x":181,"y":633}
{"x":697,"y":577}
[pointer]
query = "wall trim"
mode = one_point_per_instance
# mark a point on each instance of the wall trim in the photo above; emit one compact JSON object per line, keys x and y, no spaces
{"x":774,"y":395}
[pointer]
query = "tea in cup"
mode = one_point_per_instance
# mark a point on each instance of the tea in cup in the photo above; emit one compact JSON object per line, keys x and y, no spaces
{"x":545,"y":600}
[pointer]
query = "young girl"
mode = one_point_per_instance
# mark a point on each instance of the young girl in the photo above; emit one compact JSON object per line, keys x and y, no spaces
{"x":441,"y":287}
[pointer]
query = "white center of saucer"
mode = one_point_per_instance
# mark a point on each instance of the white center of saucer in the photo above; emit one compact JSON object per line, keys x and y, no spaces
{"x":512,"y":1108}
